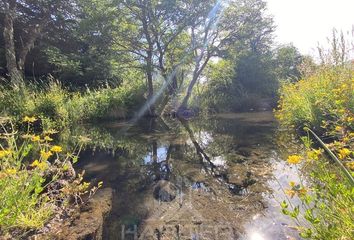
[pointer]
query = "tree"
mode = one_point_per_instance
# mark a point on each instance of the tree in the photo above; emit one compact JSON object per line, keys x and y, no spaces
{"x":34,"y":17}
{"x":226,"y":32}
{"x":287,"y":61}
{"x":152,"y":31}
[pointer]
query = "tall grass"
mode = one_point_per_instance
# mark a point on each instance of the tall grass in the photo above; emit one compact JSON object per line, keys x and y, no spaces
{"x":57,"y":107}
{"x":328,"y":95}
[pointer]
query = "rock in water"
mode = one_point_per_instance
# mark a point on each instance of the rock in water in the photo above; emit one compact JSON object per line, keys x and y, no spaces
{"x":165,"y":191}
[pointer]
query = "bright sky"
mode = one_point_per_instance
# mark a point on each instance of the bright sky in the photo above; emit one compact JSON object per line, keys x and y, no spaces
{"x":306,"y":23}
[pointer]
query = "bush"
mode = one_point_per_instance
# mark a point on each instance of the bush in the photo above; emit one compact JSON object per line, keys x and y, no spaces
{"x":328,"y":95}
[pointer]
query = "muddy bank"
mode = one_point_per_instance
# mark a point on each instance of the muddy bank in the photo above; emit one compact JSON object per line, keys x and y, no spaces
{"x":86,"y":223}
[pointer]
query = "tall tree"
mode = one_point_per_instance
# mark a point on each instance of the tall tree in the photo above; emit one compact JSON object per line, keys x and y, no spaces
{"x":227,"y":25}
{"x":34,"y":16}
{"x":150,"y":30}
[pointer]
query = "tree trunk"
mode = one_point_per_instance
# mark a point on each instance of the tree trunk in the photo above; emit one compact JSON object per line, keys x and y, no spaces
{"x":10,"y":52}
{"x":186,"y":98}
{"x":150,"y":92}
{"x":33,"y":35}
{"x":149,"y":64}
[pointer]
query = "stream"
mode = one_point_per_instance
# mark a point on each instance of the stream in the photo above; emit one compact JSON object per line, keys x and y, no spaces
{"x":203,"y":178}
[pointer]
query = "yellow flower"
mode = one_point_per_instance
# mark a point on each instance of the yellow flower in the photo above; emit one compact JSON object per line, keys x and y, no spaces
{"x":314,"y":154}
{"x":45,"y":155}
{"x":29,"y":119}
{"x":36,"y":138}
{"x":35,"y":163}
{"x":344,"y":153}
{"x":292,"y":184}
{"x":40,"y":165}
{"x":338,"y":128}
{"x":294,"y":159}
{"x":56,"y":149}
{"x":4,"y":153}
{"x":50,"y":132}
{"x":350,"y":165}
{"x":11,"y":171}
{"x":48,"y":139}
{"x":290,"y":192}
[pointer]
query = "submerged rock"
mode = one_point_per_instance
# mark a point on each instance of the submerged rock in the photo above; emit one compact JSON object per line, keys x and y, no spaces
{"x":165,"y":191}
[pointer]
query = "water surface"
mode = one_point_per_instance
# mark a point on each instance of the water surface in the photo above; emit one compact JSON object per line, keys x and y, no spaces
{"x":215,"y":178}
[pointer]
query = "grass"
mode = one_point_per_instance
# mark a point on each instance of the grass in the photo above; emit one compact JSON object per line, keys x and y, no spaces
{"x":58,"y":108}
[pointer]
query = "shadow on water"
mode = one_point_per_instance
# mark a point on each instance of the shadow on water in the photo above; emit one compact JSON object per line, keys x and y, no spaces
{"x":198,"y":179}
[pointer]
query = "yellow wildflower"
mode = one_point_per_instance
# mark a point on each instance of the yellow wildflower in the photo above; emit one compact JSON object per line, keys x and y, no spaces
{"x":50,"y":132}
{"x":346,"y":139}
{"x":290,"y":192}
{"x":29,"y":119}
{"x":338,"y":128}
{"x":4,"y":153}
{"x":314,"y":154}
{"x":35,"y":163}
{"x":56,"y":149}
{"x":40,"y":165}
{"x":294,"y":159}
{"x":11,"y":171}
{"x":350,"y":165}
{"x":48,"y":139}
{"x":36,"y":138}
{"x":292,"y":184}
{"x":344,"y":153}
{"x":45,"y":155}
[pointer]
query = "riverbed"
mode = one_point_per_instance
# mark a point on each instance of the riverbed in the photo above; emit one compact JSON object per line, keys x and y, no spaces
{"x":218,"y":177}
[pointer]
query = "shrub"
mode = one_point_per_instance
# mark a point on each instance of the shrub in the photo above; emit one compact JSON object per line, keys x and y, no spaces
{"x":328,"y":95}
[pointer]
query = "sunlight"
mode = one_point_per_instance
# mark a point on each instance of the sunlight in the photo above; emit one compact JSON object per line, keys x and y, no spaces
{"x":256,"y":236}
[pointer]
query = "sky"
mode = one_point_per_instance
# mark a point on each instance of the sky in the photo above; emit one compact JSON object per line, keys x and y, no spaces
{"x":305,"y":23}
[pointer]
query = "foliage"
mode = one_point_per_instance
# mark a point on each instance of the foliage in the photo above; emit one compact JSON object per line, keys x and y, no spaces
{"x":56,"y":107}
{"x":106,"y":103}
{"x":326,"y":210}
{"x":321,"y":101}
{"x":220,"y":90}
{"x":36,"y":178}
{"x":288,"y":61}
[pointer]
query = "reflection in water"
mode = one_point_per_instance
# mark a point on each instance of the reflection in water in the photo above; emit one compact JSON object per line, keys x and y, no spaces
{"x":198,"y":179}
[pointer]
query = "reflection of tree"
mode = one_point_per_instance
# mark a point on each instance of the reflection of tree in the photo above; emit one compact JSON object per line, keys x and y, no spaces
{"x":210,"y":168}
{"x":159,"y":169}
